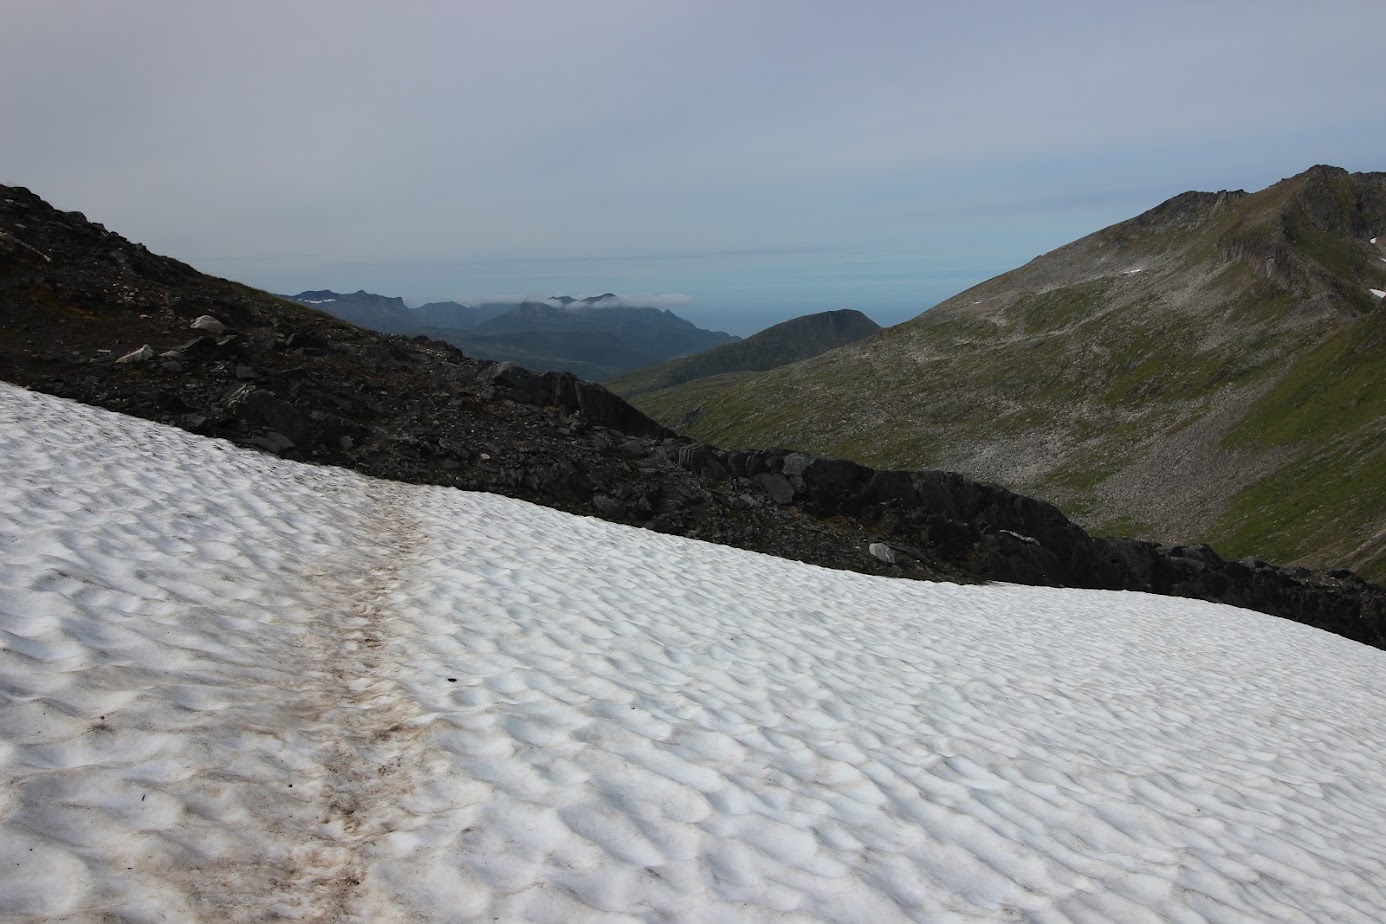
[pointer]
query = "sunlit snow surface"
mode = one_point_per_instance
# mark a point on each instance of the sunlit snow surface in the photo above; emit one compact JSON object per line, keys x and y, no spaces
{"x":237,"y":688}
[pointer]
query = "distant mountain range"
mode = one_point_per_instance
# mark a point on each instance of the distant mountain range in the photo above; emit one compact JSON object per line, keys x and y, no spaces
{"x":594,"y":337}
{"x":1211,"y":370}
{"x":655,"y":389}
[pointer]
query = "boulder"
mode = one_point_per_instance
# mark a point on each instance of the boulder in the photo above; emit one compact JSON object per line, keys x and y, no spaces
{"x":776,"y":486}
{"x":882,"y":552}
{"x":608,"y":507}
{"x":209,"y":324}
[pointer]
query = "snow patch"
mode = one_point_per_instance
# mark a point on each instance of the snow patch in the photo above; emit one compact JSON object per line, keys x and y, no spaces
{"x":239,"y":688}
{"x":1378,"y":293}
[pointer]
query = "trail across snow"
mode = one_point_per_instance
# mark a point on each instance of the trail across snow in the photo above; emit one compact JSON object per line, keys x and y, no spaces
{"x":236,"y":688}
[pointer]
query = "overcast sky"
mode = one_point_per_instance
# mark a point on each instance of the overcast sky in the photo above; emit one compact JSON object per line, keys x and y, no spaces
{"x":746,"y":161}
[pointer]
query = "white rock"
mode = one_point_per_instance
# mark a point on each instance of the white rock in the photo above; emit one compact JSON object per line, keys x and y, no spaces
{"x":210,"y":324}
{"x":143,"y":354}
{"x":882,"y":551}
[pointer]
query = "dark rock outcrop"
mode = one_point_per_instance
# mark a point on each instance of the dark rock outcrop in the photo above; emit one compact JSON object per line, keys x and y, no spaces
{"x":567,"y":392}
{"x":995,"y":534}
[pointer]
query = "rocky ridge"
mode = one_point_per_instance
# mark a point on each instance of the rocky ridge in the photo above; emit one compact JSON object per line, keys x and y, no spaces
{"x":789,"y":341}
{"x":88,"y":315}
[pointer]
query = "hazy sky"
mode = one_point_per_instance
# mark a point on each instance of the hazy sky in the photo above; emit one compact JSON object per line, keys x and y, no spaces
{"x":747,"y":161}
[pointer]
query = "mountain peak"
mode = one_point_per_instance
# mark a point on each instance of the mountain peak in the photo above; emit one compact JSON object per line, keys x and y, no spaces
{"x":1325,"y":170}
{"x":1186,"y":210}
{"x":351,"y":306}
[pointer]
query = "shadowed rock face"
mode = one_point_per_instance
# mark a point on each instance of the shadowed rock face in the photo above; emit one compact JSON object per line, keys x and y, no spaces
{"x":74,"y":298}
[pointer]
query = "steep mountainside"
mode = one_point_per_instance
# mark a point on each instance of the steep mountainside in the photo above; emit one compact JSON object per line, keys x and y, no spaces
{"x":1210,"y":370}
{"x":787,"y":342}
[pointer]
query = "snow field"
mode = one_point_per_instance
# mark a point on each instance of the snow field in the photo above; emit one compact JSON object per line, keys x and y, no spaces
{"x":238,"y":688}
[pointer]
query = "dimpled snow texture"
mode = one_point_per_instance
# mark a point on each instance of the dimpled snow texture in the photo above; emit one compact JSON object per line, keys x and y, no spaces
{"x":236,"y":688}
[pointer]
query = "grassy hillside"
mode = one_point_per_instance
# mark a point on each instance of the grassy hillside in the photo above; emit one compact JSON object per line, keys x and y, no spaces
{"x":1209,"y":370}
{"x":678,"y":407}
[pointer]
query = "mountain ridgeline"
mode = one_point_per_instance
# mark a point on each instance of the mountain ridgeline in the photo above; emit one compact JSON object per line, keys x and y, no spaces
{"x":786,"y":342}
{"x":654,"y":389}
{"x":593,"y":337}
{"x":1211,"y":370}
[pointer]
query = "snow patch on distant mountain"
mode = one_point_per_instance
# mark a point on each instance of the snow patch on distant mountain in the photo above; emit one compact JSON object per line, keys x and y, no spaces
{"x":665,"y":300}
